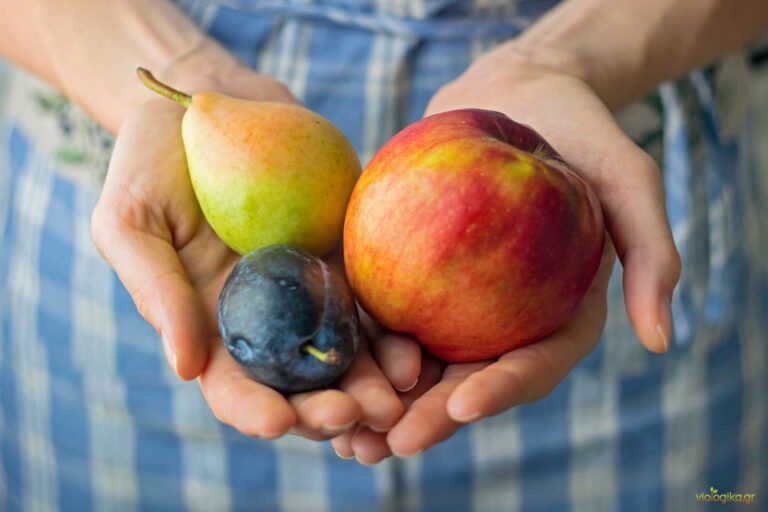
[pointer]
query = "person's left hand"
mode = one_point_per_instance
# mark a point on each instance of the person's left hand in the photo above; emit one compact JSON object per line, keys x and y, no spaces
{"x":568,"y":113}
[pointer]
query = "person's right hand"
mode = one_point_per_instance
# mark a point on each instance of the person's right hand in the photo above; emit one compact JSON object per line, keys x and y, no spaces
{"x":149,"y":227}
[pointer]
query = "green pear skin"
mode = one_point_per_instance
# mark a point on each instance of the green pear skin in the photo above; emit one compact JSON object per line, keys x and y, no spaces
{"x":265,"y":172}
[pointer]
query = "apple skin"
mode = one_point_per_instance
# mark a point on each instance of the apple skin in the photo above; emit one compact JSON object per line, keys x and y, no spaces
{"x":470,"y":232}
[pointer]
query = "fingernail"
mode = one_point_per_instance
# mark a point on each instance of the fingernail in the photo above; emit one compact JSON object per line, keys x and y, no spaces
{"x":466,"y":419}
{"x":406,"y":455}
{"x":342,"y":456}
{"x":275,"y":435}
{"x":378,"y":430}
{"x":405,"y":390}
{"x":170,"y":355}
{"x":664,"y":327}
{"x":366,"y":463}
{"x":332,"y":430}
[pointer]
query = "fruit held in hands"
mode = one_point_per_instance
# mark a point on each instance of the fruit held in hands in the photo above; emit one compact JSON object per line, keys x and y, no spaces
{"x":288,"y":319}
{"x":470,"y":232}
{"x":263,"y":172}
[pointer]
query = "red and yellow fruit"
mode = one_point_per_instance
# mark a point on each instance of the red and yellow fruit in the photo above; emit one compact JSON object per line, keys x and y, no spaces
{"x":470,"y":232}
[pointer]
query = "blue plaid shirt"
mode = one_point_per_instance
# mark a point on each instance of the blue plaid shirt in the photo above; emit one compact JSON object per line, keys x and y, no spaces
{"x":92,"y":419}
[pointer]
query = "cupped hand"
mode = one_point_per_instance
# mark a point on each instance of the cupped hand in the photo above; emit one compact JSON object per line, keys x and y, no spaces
{"x":148,"y":226}
{"x":566,"y":111}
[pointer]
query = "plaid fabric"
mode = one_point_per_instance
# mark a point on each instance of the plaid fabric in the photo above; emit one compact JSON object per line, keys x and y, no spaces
{"x":91,"y":418}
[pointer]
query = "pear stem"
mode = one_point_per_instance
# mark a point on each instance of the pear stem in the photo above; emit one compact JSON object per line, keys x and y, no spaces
{"x":330,"y":357}
{"x":159,"y":87}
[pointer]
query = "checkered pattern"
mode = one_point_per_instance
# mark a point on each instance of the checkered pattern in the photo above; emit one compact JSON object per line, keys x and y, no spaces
{"x":91,"y":418}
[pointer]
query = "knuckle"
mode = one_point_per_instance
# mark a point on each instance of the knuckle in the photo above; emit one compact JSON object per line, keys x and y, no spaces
{"x":646,"y":166}
{"x":515,"y":384}
{"x":97,"y":227}
{"x":219,"y":401}
{"x":114,"y":213}
{"x":101,"y":225}
{"x":142,"y":299}
{"x":150,"y":295}
{"x":282,"y":89}
{"x":641,"y":171}
{"x":674,"y":260}
{"x":555,"y":370}
{"x":128,"y":211}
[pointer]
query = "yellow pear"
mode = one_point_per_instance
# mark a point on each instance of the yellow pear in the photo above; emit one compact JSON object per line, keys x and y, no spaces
{"x":265,"y":172}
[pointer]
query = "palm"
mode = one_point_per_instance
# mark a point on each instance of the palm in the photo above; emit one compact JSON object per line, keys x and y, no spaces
{"x":207,"y":261}
{"x":150,"y":228}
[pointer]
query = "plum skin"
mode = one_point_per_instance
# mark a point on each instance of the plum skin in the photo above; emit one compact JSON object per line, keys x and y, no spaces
{"x":276,"y":300}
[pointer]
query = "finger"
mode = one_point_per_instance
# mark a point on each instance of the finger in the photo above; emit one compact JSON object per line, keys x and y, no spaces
{"x":397,"y":354}
{"x":335,"y":260}
{"x":430,"y":374}
{"x":381,"y":407}
{"x":531,"y":372}
{"x":426,"y":422}
{"x":235,"y":399}
{"x":151,"y":272}
{"x":324,"y":414}
{"x":370,"y":447}
{"x":130,"y":228}
{"x":629,"y":187}
{"x":632,"y":194}
{"x":342,"y":444}
{"x":399,"y":357}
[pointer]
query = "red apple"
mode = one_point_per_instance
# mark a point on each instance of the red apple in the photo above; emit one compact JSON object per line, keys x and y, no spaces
{"x":470,"y":232}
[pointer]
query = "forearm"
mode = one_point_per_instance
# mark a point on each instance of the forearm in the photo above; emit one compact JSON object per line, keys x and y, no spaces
{"x":625,"y":48}
{"x":89,"y":49}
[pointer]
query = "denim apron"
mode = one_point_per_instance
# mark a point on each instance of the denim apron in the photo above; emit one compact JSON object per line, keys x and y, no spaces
{"x":92,"y":419}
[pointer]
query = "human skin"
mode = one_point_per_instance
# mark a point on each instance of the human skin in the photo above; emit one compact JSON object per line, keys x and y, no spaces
{"x":582,"y":61}
{"x":565,"y":76}
{"x":147,"y":223}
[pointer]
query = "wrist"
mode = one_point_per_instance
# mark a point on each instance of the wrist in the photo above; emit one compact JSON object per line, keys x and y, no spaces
{"x":608,"y":48}
{"x":209,"y":67}
{"x":204,"y":66}
{"x":616,"y":90}
{"x":623,"y":49}
{"x":96,"y":68}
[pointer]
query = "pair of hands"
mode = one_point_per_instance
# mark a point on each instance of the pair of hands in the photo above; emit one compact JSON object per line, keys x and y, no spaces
{"x":394,"y":399}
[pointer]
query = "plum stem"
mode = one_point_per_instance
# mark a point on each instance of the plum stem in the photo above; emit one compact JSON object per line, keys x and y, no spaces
{"x":329,"y":357}
{"x":159,"y":87}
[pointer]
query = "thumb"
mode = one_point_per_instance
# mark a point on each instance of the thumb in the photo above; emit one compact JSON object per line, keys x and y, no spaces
{"x":631,"y":191}
{"x":151,"y":271}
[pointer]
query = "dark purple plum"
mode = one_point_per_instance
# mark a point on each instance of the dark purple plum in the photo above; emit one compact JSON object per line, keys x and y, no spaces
{"x":288,"y":319}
